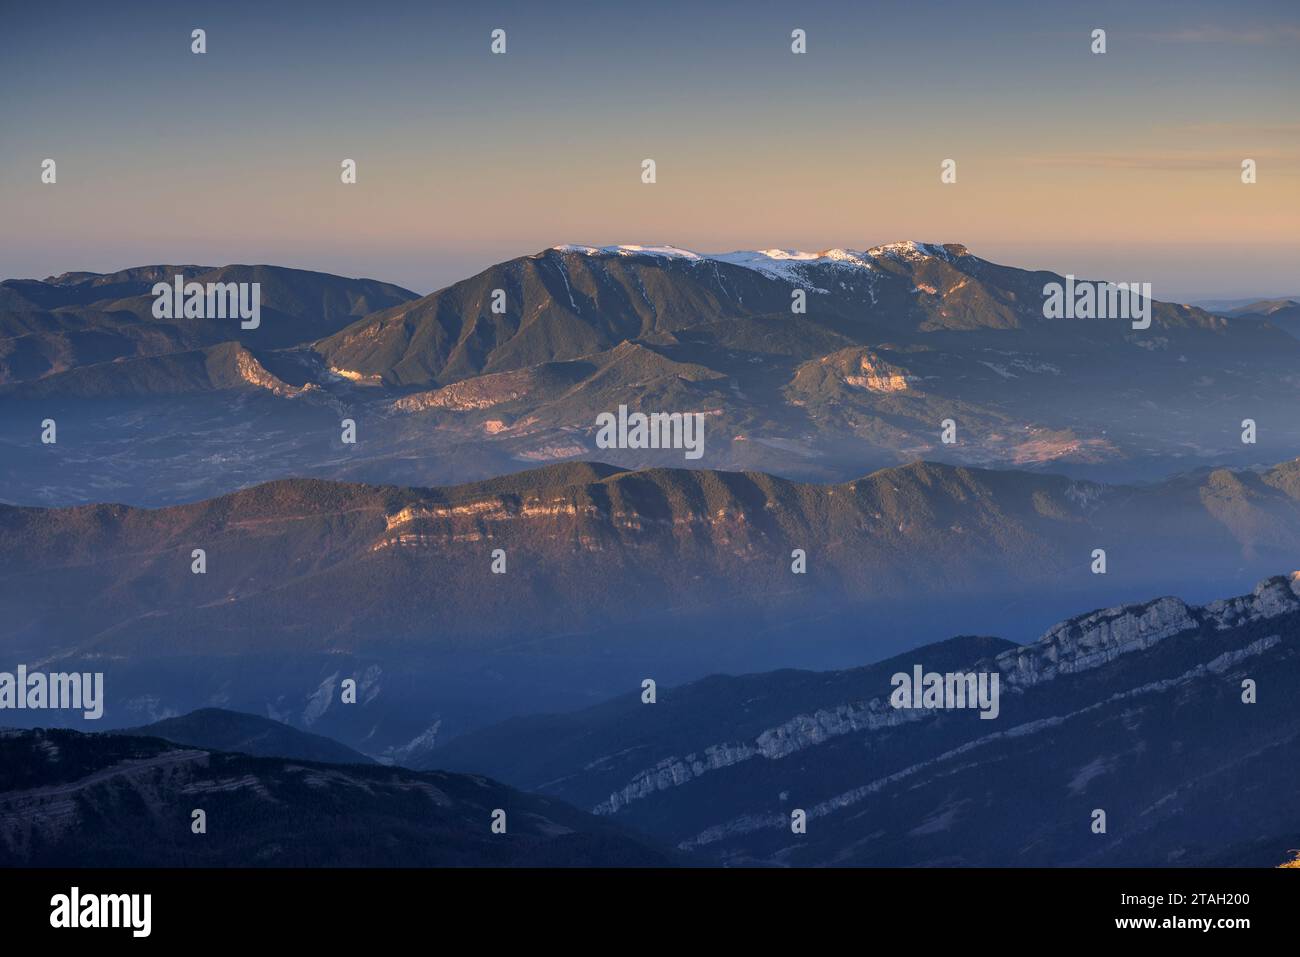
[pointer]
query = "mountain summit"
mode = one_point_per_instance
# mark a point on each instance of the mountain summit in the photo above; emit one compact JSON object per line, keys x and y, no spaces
{"x":791,"y":265}
{"x":574,"y":300}
{"x":816,"y":366}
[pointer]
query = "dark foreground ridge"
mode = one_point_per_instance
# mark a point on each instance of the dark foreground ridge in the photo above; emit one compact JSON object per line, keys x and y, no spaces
{"x":69,"y":799}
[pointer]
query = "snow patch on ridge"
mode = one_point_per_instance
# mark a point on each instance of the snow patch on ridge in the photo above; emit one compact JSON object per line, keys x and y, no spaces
{"x":668,"y":252}
{"x":788,"y":265}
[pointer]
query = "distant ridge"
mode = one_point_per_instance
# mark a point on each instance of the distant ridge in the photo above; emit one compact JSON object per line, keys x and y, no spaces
{"x":234,"y":731}
{"x":585,"y":299}
{"x":349,"y":562}
{"x":812,"y":365}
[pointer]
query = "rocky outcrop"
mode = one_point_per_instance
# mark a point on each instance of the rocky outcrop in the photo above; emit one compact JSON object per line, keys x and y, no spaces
{"x":855,"y":367}
{"x":482,"y":392}
{"x":801,"y":731}
{"x":1274,"y":596}
{"x":1078,"y":644}
{"x":255,"y":374}
{"x":1092,"y":640}
{"x":749,"y":823}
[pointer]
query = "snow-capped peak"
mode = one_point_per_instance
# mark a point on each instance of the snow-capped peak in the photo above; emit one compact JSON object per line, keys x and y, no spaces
{"x":669,"y":252}
{"x":912,"y":250}
{"x":786,"y":264}
{"x":790,"y":264}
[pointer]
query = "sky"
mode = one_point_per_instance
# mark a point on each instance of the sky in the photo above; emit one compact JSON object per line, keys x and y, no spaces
{"x":1123,"y":166}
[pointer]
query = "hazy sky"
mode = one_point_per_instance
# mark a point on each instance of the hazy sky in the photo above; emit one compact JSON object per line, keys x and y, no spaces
{"x":1123,"y":166}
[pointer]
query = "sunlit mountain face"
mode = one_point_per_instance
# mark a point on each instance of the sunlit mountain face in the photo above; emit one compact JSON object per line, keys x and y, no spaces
{"x":814,"y":367}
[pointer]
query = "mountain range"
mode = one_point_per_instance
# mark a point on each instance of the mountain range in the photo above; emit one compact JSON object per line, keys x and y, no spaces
{"x":607,"y":576}
{"x":336,"y":568}
{"x":1177,"y":721}
{"x":893,"y":342}
{"x":354,"y":562}
{"x":1151,"y":734}
{"x":1283,"y":313}
{"x":51,"y":326}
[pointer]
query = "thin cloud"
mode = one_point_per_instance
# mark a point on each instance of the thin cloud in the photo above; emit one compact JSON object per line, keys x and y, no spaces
{"x":1257,"y":36}
{"x":1236,"y":130}
{"x":1164,"y":161}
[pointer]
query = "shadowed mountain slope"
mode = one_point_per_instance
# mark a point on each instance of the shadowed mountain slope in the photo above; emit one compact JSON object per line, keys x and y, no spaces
{"x":1176,"y":721}
{"x":88,"y":800}
{"x":217,"y":729}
